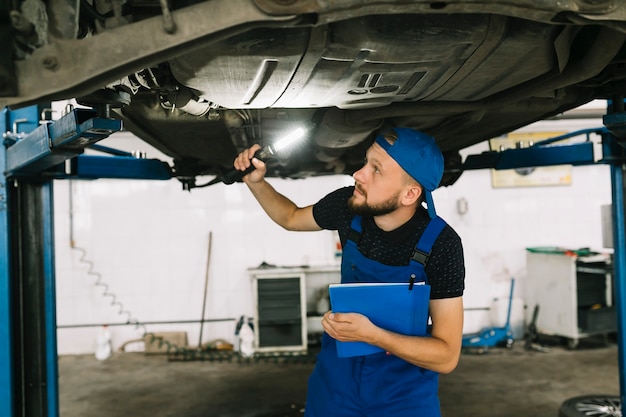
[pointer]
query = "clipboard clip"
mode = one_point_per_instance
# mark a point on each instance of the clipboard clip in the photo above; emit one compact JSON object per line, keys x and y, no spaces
{"x":411,"y":282}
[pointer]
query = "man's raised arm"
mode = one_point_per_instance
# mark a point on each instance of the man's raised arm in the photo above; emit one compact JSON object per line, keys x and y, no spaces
{"x":278,"y":207}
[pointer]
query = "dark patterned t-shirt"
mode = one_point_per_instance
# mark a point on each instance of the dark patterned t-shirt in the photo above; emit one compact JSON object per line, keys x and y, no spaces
{"x":445,"y":267}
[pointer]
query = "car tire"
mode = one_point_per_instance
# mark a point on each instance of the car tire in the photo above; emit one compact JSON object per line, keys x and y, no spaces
{"x":592,"y":405}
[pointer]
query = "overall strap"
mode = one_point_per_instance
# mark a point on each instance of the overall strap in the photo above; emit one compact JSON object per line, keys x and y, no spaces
{"x":427,"y":240}
{"x":355,"y":230}
{"x":422,"y":248}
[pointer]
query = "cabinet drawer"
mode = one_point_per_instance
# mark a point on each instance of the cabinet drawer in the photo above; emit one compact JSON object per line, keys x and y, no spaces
{"x":278,"y":287}
{"x":279,"y":300}
{"x":597,"y":320}
{"x":285,"y":334}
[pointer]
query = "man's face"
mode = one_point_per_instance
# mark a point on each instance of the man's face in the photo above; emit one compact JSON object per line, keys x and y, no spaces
{"x":378,"y":185}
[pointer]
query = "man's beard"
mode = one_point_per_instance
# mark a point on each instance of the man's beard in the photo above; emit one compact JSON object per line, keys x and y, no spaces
{"x":380,"y":209}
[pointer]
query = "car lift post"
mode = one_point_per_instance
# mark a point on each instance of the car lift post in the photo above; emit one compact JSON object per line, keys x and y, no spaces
{"x":6,"y":351}
{"x":546,"y":153}
{"x":32,"y":154}
{"x":619,"y":265}
{"x":614,"y":145}
{"x":28,"y":359}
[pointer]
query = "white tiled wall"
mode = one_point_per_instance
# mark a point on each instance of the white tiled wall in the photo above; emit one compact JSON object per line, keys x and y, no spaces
{"x":149,"y":242}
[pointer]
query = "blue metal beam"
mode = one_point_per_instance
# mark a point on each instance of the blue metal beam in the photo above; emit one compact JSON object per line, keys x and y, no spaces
{"x":619,"y":262}
{"x":536,"y":156}
{"x":51,"y":144}
{"x":31,"y":257}
{"x":6,"y":340}
{"x":49,"y":293}
{"x":111,"y":151}
{"x":615,"y":155}
{"x":80,"y":128}
{"x":32,"y":154}
{"x":12,"y":124}
{"x":28,"y":373}
{"x":587,"y":132}
{"x":118,"y":167}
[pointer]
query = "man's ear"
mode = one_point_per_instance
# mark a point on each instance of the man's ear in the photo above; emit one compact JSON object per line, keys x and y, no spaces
{"x":412,"y":194}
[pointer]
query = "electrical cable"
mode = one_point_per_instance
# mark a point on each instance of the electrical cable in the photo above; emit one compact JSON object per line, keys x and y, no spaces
{"x":212,"y":182}
{"x":148,"y":337}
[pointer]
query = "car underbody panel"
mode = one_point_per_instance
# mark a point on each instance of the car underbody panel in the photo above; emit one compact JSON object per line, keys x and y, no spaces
{"x":206,"y":79}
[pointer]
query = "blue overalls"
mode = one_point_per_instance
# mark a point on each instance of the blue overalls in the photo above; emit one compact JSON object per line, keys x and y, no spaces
{"x":380,"y":384}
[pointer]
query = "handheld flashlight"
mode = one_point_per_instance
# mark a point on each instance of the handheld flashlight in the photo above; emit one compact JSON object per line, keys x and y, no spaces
{"x":268,"y":152}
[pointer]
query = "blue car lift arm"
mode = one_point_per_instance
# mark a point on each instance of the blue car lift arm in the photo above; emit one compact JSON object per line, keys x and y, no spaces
{"x":32,"y":155}
{"x":548,"y":152}
{"x":51,"y":144}
{"x":544,"y":153}
{"x":28,"y":367}
{"x":45,"y":150}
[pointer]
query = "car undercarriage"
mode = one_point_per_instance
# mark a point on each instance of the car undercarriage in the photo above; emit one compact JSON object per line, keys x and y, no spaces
{"x":203,"y":80}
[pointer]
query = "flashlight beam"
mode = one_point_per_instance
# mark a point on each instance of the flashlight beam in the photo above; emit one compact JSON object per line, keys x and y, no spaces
{"x":289,"y":139}
{"x":266,"y":153}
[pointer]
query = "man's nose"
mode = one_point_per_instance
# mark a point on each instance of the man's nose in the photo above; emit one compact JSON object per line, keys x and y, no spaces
{"x":358,"y":175}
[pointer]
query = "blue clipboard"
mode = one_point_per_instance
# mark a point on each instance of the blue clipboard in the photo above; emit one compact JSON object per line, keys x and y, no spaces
{"x":391,"y":306}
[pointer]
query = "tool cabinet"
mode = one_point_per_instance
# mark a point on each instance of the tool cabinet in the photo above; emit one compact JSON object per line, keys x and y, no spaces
{"x":286,"y":301}
{"x":574,"y":295}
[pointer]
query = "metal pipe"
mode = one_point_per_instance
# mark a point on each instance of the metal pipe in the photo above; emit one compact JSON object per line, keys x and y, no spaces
{"x":7,"y":350}
{"x":106,"y":149}
{"x":49,"y":287}
{"x":76,"y":326}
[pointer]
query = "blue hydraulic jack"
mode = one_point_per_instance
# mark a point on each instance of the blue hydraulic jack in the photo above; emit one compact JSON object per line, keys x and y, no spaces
{"x":492,"y":336}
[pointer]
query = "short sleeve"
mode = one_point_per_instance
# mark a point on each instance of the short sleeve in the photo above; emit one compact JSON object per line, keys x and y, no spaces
{"x":332,"y":211}
{"x":446,"y":267}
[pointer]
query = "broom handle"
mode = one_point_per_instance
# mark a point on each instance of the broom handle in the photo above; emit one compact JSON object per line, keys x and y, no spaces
{"x":206,"y":286}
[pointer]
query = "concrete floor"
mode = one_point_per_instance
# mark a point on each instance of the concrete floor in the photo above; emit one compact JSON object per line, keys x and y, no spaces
{"x":501,"y":382}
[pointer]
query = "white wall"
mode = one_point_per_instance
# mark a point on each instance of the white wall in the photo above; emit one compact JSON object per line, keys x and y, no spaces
{"x":148,"y":241}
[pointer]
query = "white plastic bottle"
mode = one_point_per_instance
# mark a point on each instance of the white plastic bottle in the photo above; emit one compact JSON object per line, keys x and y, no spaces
{"x":246,"y":340}
{"x":104,"y":347}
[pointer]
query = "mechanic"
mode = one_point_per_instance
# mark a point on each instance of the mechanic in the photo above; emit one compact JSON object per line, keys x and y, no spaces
{"x":385,"y":209}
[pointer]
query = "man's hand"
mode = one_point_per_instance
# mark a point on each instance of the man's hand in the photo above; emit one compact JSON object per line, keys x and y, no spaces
{"x":280,"y":209}
{"x":243,"y":161}
{"x":349,"y":327}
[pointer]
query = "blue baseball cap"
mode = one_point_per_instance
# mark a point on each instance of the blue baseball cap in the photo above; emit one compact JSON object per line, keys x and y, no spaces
{"x":418,"y":154}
